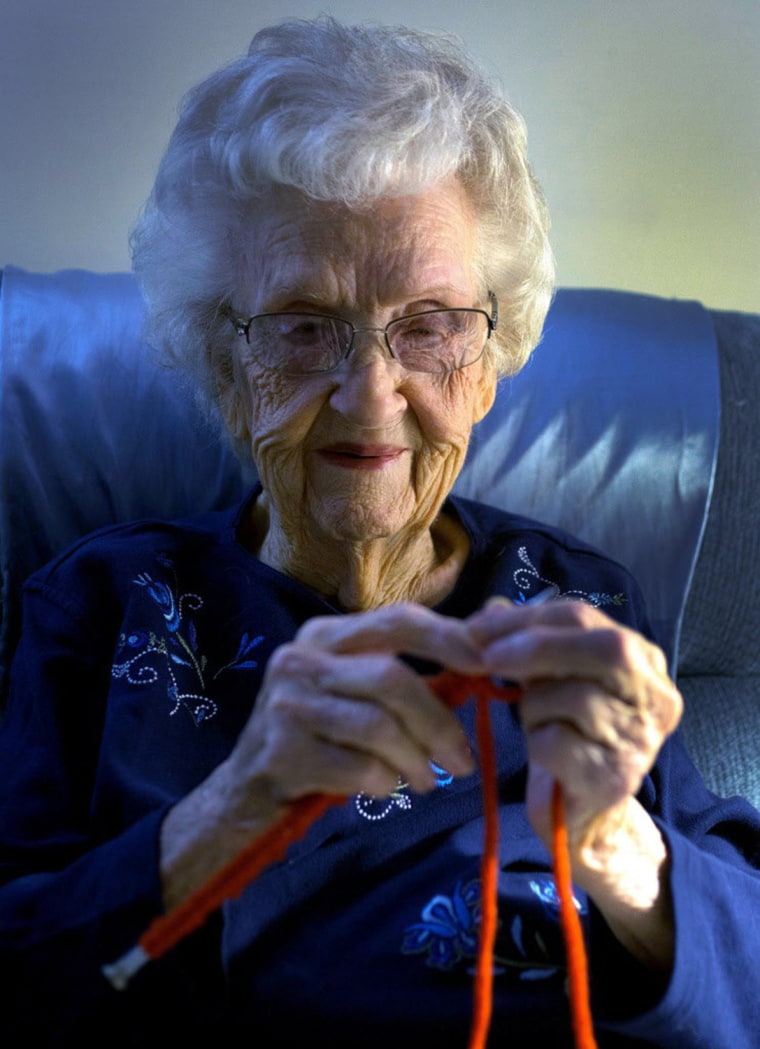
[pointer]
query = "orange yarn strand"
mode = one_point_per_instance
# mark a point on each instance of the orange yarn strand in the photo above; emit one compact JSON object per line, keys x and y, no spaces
{"x":483,"y":989}
{"x":454,"y":689}
{"x":229,"y":881}
{"x":572,"y":931}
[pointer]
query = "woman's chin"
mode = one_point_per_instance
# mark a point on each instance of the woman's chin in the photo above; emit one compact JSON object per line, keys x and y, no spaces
{"x":362,"y":521}
{"x":373,"y":507}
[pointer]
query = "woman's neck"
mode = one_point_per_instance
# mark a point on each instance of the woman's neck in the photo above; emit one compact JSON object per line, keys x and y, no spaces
{"x":421,"y":565}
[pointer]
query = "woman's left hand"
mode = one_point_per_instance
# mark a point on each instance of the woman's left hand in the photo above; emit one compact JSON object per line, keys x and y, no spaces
{"x":597,"y":706}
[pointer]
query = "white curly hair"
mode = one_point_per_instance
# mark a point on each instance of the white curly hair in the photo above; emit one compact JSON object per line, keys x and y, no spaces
{"x":346,"y":114}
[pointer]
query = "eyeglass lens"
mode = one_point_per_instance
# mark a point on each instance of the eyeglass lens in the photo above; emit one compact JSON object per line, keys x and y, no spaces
{"x":437,"y":341}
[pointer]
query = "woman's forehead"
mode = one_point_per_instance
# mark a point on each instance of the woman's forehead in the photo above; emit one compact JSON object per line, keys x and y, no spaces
{"x":419,"y":244}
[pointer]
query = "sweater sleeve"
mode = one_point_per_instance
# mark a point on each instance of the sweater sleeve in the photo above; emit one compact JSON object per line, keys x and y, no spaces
{"x":79,"y":883}
{"x":712,"y":998}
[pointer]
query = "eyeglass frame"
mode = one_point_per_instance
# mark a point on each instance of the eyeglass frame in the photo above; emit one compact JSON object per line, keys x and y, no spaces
{"x":242,"y":327}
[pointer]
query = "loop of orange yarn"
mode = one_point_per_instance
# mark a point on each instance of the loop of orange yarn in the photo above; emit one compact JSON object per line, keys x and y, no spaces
{"x":454,"y":689}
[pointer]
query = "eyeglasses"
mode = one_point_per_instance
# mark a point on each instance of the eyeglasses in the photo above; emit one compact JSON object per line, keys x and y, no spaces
{"x":435,"y":341}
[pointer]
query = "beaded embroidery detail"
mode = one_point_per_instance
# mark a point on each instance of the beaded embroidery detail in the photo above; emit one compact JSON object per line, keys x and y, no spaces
{"x":142,"y":654}
{"x":528,"y":578}
{"x":373,"y":808}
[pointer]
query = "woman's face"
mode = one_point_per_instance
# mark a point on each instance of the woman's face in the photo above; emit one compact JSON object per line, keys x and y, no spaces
{"x":368,"y":450}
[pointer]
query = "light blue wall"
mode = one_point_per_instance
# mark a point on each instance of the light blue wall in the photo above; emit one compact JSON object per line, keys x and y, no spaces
{"x":644,"y":118}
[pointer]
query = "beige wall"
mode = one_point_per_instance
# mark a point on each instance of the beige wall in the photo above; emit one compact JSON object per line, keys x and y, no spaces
{"x":644,"y":118}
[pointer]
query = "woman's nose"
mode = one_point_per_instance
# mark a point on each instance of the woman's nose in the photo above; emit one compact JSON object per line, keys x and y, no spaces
{"x":367,"y":383}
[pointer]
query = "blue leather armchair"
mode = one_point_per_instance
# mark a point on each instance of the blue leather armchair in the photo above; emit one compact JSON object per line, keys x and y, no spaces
{"x":635,"y":426}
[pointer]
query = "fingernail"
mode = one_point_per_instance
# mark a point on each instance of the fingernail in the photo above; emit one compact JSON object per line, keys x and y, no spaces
{"x":463,"y":763}
{"x":499,"y":600}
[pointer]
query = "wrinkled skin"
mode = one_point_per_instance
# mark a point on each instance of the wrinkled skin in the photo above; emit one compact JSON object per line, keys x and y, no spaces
{"x":371,"y":514}
{"x":338,"y":712}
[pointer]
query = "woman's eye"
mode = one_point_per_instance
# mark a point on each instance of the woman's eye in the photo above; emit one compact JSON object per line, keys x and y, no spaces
{"x":422,"y":333}
{"x":307,"y":330}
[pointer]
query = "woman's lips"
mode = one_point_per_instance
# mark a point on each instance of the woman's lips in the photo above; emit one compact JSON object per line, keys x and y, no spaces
{"x":361,"y":456}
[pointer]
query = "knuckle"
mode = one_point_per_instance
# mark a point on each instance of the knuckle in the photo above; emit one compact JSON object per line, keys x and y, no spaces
{"x":671,"y":709}
{"x":288,"y":659}
{"x":677,"y":705}
{"x":378,"y":779}
{"x":581,"y":614}
{"x":315,"y":630}
{"x":621,"y":646}
{"x":659,"y":660}
{"x":353,"y":722}
{"x":390,"y":673}
{"x":402,"y":616}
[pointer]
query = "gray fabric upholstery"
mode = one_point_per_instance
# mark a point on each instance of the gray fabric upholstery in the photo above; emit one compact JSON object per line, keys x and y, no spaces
{"x":719,"y":665}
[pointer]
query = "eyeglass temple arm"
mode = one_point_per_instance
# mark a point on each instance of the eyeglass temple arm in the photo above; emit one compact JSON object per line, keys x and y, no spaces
{"x":240,"y":326}
{"x":494,"y":310}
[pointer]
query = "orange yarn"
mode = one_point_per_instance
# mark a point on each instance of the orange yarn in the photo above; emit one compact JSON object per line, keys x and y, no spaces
{"x":577,"y":963}
{"x":228,"y":882}
{"x":454,"y":689}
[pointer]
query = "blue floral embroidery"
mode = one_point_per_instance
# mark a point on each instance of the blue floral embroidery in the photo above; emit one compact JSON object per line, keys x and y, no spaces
{"x":545,"y":888}
{"x":442,"y":777}
{"x":447,"y":933}
{"x":178,"y":651}
{"x":528,"y":577}
{"x":164,"y":598}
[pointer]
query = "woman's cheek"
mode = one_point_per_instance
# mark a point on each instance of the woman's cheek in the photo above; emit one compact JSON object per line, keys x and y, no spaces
{"x":281,"y":418}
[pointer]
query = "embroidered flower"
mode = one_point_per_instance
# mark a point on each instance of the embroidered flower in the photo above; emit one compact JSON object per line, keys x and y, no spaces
{"x":545,"y":888}
{"x":448,"y":929}
{"x":164,"y":598}
{"x":529,"y":946}
{"x":141,"y":653}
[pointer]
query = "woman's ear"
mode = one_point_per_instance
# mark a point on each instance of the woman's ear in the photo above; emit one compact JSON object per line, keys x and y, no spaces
{"x":486,"y":394}
{"x":233,"y":413}
{"x":230,"y":394}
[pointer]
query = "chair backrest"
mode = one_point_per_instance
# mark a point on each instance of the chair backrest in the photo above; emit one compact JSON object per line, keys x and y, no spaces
{"x":611,"y":431}
{"x":93,"y":430}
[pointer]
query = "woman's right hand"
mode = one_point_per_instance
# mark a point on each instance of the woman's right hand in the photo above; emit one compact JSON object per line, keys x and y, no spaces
{"x":338,"y":713}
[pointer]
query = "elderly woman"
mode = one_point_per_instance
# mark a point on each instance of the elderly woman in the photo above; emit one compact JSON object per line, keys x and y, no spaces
{"x":346,"y":248}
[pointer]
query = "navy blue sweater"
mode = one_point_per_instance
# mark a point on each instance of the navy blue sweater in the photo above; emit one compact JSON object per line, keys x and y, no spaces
{"x":140,"y":660}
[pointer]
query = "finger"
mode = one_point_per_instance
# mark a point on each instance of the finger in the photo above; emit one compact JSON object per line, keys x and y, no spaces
{"x":598,"y":716}
{"x":303,"y":759}
{"x":593,"y":776}
{"x":500,"y":617}
{"x":402,"y":709}
{"x":375,"y":740}
{"x":396,"y":715}
{"x":402,"y":628}
{"x":581,"y":643}
{"x":295,"y":763}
